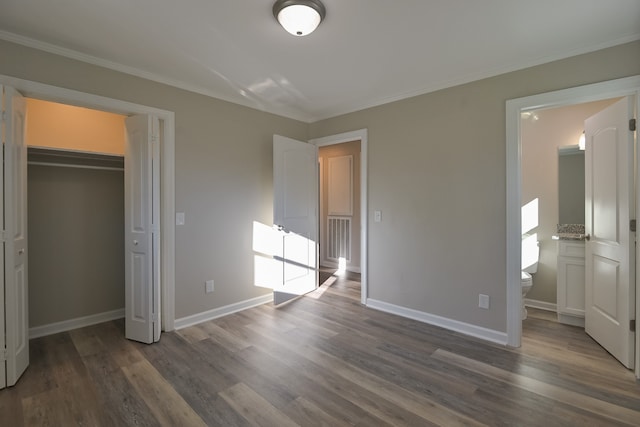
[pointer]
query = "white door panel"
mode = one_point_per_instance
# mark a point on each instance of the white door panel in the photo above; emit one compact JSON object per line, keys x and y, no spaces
{"x":610,"y":252}
{"x":15,"y":225}
{"x":142,"y":289}
{"x":295,"y":212}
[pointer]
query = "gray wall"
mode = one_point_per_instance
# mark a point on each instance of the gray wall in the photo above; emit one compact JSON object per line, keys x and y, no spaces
{"x":76,"y":243}
{"x":223,"y":171}
{"x":436,"y":171}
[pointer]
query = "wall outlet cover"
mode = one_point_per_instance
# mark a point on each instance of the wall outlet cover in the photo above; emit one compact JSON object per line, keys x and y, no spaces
{"x":180,"y":218}
{"x":208,"y":286}
{"x":483,"y":301}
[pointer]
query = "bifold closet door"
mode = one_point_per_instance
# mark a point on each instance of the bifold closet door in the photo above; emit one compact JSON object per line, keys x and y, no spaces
{"x":14,"y":217}
{"x":142,"y":229}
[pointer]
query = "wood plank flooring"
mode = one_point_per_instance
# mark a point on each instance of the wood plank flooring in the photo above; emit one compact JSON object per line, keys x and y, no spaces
{"x":323,"y":360}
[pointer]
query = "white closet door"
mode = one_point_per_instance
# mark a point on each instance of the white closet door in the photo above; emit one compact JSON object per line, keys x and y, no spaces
{"x":15,"y":235}
{"x":142,"y":217}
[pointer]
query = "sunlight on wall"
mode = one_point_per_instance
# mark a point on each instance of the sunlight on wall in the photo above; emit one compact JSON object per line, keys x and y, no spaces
{"x":267,"y":244}
{"x":283,"y":261}
{"x":529,"y":251}
{"x":530,"y":216}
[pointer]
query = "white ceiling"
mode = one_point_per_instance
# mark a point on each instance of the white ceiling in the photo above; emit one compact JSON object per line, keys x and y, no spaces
{"x":365,"y":53}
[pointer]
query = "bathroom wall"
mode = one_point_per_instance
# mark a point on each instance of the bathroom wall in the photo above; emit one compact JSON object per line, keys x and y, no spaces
{"x":542,"y":133}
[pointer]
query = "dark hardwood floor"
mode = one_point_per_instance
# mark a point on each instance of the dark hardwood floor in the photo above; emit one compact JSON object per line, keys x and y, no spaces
{"x":323,"y":360}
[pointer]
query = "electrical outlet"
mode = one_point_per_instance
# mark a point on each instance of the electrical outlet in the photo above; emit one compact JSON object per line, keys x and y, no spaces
{"x":208,"y":286}
{"x":377,"y":216}
{"x":179,"y":218}
{"x":483,"y":301}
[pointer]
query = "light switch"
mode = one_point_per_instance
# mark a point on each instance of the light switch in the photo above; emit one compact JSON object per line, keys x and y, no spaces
{"x":179,"y":218}
{"x":377,"y":216}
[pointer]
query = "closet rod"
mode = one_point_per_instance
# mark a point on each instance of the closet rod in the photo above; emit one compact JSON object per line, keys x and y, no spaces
{"x":63,"y":165}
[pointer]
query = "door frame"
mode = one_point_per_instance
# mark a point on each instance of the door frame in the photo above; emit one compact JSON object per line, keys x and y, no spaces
{"x":514,"y":108}
{"x":51,"y":93}
{"x":357,"y":135}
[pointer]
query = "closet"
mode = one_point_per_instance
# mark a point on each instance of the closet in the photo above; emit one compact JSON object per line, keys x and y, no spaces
{"x":76,"y":239}
{"x":75,"y":216}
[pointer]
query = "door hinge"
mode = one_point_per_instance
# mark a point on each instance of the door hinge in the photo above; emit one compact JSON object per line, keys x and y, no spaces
{"x":632,"y":325}
{"x":154,"y":317}
{"x":3,"y":355}
{"x":632,"y":225}
{"x":154,"y":138}
{"x":632,"y":125}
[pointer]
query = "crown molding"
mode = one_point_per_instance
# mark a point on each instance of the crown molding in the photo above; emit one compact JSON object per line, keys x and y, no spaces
{"x":115,"y":66}
{"x":297,"y":115}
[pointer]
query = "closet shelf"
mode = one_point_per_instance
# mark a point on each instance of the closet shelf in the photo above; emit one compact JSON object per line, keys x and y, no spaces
{"x":75,"y":159}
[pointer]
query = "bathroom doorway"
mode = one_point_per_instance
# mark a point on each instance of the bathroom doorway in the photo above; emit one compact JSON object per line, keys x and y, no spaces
{"x":517,"y":110}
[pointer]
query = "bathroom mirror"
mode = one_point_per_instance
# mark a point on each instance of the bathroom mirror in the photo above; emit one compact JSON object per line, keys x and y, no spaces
{"x":570,"y":185}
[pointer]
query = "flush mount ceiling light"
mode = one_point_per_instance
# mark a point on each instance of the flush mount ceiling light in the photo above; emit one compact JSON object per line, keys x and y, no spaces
{"x":299,"y":17}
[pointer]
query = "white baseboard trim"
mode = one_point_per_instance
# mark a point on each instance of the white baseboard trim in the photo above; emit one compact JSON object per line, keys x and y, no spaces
{"x":194,"y":319}
{"x":542,"y":305}
{"x":568,"y":319}
{"x":78,"y":322}
{"x":443,"y":322}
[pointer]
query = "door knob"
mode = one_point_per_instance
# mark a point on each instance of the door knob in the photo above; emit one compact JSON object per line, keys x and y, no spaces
{"x":135,"y":243}
{"x":587,"y":237}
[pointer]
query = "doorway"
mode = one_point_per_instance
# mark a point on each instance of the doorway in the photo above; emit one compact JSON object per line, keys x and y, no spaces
{"x":340,"y":207}
{"x":361,"y":137}
{"x":167,"y":189}
{"x":515,"y":108}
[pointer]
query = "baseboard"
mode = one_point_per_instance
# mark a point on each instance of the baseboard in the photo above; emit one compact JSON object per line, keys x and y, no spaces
{"x":568,"y":319}
{"x":78,"y":322}
{"x":194,"y":319}
{"x":443,"y":322}
{"x":541,"y":305}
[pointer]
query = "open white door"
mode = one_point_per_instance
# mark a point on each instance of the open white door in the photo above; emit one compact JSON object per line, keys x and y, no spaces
{"x":16,"y":301}
{"x":142,"y":228}
{"x":610,"y":251}
{"x":295,"y":213}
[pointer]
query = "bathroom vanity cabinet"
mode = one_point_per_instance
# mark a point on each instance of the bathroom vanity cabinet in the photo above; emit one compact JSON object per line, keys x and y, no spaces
{"x":570,"y":285}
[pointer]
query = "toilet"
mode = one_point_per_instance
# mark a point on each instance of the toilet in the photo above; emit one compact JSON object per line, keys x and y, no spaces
{"x":530,"y":257}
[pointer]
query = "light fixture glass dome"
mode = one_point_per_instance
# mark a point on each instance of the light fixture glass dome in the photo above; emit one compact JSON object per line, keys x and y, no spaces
{"x":300,"y":17}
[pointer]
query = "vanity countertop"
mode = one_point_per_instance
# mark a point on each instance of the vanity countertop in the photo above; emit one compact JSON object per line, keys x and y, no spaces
{"x":569,"y":236}
{"x":570,"y":232}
